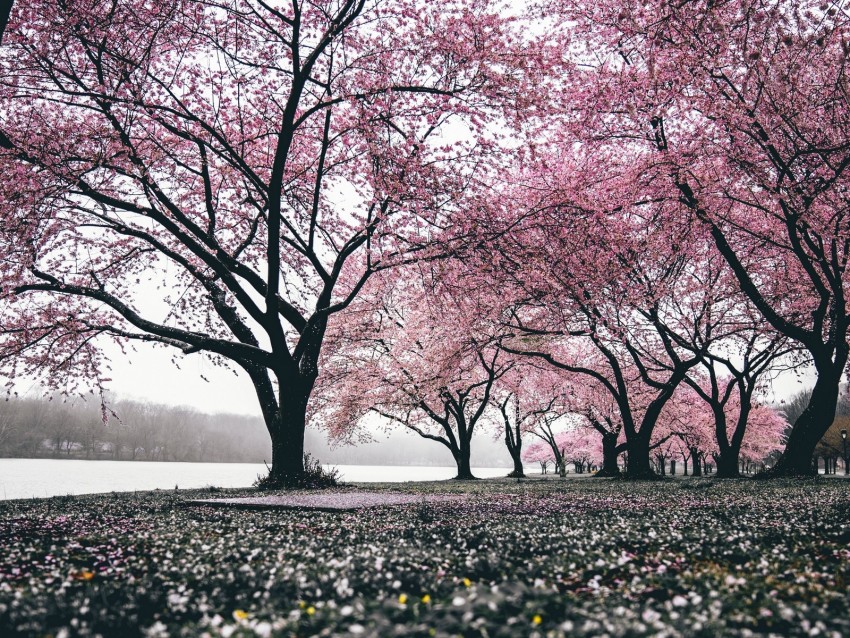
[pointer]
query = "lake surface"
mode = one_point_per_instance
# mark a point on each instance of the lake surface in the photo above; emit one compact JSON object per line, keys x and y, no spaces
{"x":28,"y":478}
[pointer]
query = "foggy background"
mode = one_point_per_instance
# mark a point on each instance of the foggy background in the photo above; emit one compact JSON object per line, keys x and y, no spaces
{"x":35,"y":427}
{"x":199,"y":412}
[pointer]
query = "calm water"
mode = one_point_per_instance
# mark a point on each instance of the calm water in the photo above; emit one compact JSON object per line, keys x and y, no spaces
{"x":27,"y":478}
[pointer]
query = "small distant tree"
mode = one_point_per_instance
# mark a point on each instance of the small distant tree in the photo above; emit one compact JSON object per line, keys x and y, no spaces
{"x":524,"y":397}
{"x":538,"y":452}
{"x":424,"y":361}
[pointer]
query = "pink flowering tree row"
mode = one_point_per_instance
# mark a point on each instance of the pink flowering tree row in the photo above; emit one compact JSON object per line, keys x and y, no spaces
{"x":223,"y":178}
{"x":625,"y":228}
{"x":732,"y":115}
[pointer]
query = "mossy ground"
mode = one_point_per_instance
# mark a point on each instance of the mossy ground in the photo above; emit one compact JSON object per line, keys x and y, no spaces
{"x":556,"y":557}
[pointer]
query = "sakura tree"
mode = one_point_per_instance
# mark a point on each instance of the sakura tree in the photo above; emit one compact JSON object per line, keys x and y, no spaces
{"x":538,"y":452}
{"x":552,"y":438}
{"x":581,"y":448}
{"x":420,"y":357}
{"x":688,"y":430}
{"x":526,"y":397}
{"x":601,"y":420}
{"x":766,"y":434}
{"x":592,"y":282}
{"x":737,"y":110}
{"x":729,"y":386}
{"x":224,"y":177}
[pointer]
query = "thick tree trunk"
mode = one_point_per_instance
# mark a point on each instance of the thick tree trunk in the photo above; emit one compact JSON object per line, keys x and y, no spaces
{"x":286,"y":419}
{"x":513,"y":441}
{"x":727,"y":464}
{"x":287,"y":433}
{"x":288,"y":452}
{"x":695,"y":463}
{"x":609,"y":457}
{"x":519,"y":470}
{"x":638,"y":465}
{"x":796,"y":459}
{"x":464,"y":471}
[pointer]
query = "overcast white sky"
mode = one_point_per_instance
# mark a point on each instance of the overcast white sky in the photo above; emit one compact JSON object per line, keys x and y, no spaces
{"x":149,"y":373}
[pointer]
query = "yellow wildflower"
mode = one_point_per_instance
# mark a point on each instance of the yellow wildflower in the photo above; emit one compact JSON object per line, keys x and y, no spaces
{"x":536,"y":620}
{"x":85,"y":575}
{"x":467,"y":582}
{"x":402,"y":599}
{"x":311,"y":610}
{"x":426,"y":599}
{"x":240,"y":614}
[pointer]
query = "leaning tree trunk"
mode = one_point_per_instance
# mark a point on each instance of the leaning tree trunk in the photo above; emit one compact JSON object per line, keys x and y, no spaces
{"x":808,"y":430}
{"x":609,"y":457}
{"x":513,"y":441}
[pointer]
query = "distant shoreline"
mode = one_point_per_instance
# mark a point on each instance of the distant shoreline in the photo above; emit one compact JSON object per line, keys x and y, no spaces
{"x":261,"y":462}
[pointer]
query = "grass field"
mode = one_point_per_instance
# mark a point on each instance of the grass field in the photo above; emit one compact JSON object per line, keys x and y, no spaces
{"x":556,"y":557}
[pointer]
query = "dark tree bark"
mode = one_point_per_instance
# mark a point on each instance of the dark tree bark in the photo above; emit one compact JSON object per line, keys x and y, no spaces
{"x":810,"y":428}
{"x":5,"y":11}
{"x":638,"y":465}
{"x":464,"y":471}
{"x":610,"y":452}
{"x":696,"y":464}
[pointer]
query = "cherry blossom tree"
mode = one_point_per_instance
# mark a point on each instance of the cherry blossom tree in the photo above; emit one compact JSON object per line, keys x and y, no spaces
{"x":766,"y":434}
{"x":525,"y":397}
{"x":552,"y":438}
{"x":589,"y":281}
{"x":224,"y":177}
{"x":581,"y":448}
{"x":737,"y":110}
{"x":602,"y":420}
{"x":422,"y":358}
{"x":729,"y":386}
{"x":538,"y":452}
{"x":689,"y":425}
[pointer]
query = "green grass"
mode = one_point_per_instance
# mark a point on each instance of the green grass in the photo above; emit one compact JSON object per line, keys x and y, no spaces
{"x":573,"y":557}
